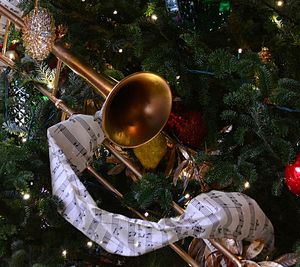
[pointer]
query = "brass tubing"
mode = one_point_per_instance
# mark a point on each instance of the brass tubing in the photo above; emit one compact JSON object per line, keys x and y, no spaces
{"x":58,"y":103}
{"x":105,"y":183}
{"x":125,"y":161}
{"x":131,"y":166}
{"x":56,"y":78}
{"x":226,"y":252}
{"x":5,"y":37}
{"x":6,"y":60}
{"x":99,"y":82}
{"x":12,"y":17}
{"x":185,"y":256}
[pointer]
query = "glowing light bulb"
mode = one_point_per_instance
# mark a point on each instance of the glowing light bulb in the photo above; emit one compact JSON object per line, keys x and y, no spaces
{"x":279,"y":3}
{"x":26,"y":196}
{"x":24,"y":139}
{"x":64,"y":253}
{"x":120,"y":50}
{"x":247,"y":185}
{"x":187,"y":195}
{"x":154,"y":17}
{"x":50,"y":85}
{"x":89,"y":244}
{"x":146,"y":214}
{"x":115,"y":12}
{"x":240,"y":50}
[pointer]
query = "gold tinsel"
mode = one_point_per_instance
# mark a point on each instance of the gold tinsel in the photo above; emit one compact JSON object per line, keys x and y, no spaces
{"x":151,"y":153}
{"x":39,"y":33}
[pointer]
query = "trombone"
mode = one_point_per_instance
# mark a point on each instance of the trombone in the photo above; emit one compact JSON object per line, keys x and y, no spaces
{"x":135,"y":111}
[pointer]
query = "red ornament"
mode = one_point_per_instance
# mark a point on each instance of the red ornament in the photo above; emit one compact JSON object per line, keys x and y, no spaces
{"x":265,"y":55}
{"x":188,"y":127}
{"x":292,"y":176}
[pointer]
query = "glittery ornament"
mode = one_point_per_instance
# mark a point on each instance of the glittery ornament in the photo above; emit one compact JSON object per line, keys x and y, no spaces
{"x":292,"y":176}
{"x":265,"y":55}
{"x":38,"y":33}
{"x":151,"y":153}
{"x":188,"y":127}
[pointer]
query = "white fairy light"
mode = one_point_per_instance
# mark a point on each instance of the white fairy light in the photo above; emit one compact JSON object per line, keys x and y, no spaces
{"x":154,"y":17}
{"x":115,"y":12}
{"x":146,"y":214}
{"x":26,"y":196}
{"x":89,"y":244}
{"x":187,"y":196}
{"x":247,"y":185}
{"x":64,"y":253}
{"x":50,"y":85}
{"x":240,"y":50}
{"x":280,"y":3}
{"x":120,"y":50}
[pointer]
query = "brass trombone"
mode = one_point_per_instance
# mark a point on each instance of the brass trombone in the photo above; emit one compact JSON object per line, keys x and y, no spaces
{"x":135,"y":111}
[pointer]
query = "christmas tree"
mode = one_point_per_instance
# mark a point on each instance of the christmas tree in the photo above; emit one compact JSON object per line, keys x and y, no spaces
{"x":232,"y":68}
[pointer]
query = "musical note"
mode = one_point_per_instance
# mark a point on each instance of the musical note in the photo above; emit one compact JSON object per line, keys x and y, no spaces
{"x":131,"y":234}
{"x":198,"y":229}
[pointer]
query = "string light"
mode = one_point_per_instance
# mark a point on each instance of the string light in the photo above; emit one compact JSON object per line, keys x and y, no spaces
{"x":50,"y":85}
{"x":154,"y":17}
{"x":64,"y":253}
{"x":24,"y":139}
{"x":240,"y":50}
{"x":120,"y":50}
{"x":185,"y":197}
{"x":26,"y":196}
{"x":279,"y":3}
{"x":146,"y":214}
{"x":115,"y":12}
{"x":247,"y":185}
{"x":89,"y":244}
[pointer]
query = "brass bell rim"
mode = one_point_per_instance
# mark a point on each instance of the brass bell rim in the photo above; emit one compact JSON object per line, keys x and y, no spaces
{"x":113,"y":93}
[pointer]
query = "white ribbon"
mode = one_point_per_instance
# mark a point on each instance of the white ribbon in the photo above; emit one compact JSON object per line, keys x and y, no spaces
{"x":209,"y":215}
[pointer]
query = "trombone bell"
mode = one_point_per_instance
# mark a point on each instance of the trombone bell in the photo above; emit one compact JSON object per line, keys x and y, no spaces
{"x":136,"y":109}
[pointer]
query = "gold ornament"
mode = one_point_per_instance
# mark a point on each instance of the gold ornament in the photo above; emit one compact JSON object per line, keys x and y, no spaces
{"x":265,"y":55}
{"x":38,"y":33}
{"x":151,"y":153}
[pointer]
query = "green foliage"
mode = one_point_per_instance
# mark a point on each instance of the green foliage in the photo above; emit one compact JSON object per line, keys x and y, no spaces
{"x":198,"y":56}
{"x":152,"y":190}
{"x":223,"y":63}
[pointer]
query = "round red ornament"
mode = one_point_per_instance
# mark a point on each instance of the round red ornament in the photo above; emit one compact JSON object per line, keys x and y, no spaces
{"x":292,"y":176}
{"x":188,"y":127}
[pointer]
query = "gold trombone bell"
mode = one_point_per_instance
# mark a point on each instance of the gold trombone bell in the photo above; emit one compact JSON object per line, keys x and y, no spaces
{"x":136,"y":108}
